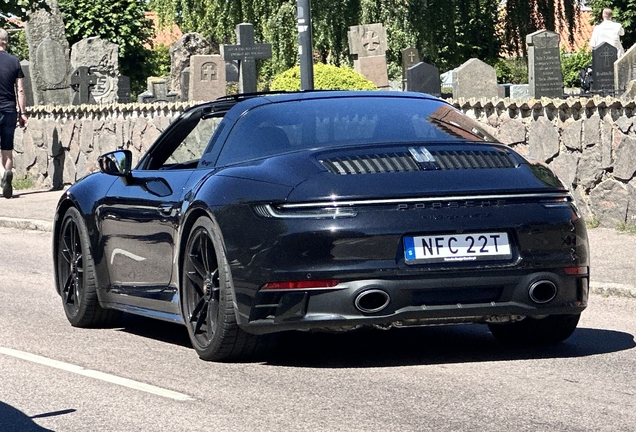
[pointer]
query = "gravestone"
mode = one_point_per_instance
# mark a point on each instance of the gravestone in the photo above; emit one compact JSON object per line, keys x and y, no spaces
{"x":102,"y":57}
{"x":157,"y":92}
{"x":207,"y":77}
{"x":475,"y":79}
{"x":410,"y":57}
{"x":48,"y":56}
{"x":231,"y":71}
{"x":368,"y":45}
{"x":26,"y":82}
{"x":123,"y":89}
{"x":246,"y":52}
{"x":545,"y":76}
{"x":82,"y":82}
{"x":424,"y":78}
{"x":625,"y":69}
{"x":188,"y":45}
{"x":603,"y":58}
{"x":367,"y":40}
{"x":185,"y":84}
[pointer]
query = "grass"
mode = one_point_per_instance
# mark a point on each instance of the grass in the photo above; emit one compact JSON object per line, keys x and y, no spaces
{"x":629,"y":228}
{"x":21,"y":184}
{"x":592,"y":222}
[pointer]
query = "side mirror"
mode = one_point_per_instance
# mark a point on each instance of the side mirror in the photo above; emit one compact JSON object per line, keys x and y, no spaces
{"x":117,"y":163}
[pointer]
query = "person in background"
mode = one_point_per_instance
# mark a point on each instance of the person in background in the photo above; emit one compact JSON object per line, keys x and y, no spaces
{"x":12,"y":109}
{"x":608,"y":31}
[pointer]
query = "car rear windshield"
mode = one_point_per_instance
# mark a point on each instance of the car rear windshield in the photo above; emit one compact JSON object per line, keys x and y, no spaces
{"x":339,"y":122}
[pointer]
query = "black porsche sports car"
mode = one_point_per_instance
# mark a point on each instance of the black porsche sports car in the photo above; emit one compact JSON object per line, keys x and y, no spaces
{"x":256,"y":214}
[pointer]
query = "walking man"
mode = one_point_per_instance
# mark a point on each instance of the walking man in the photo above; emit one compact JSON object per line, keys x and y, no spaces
{"x":12,"y":109}
{"x":608,"y":31}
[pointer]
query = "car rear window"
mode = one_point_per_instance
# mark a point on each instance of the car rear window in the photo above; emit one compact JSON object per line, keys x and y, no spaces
{"x":339,"y":122}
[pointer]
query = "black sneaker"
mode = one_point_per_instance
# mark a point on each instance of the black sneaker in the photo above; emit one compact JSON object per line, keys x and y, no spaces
{"x":7,"y":188}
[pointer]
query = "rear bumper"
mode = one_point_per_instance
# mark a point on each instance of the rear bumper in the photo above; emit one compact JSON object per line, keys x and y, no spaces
{"x":415,"y":302}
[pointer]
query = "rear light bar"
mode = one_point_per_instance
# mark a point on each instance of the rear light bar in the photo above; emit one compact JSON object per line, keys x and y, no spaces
{"x":300,"y":285}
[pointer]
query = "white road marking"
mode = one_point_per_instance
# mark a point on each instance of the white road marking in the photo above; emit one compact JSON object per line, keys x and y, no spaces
{"x":113,"y":379}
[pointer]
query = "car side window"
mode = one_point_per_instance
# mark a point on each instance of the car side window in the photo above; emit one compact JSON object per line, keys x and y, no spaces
{"x":191,"y":148}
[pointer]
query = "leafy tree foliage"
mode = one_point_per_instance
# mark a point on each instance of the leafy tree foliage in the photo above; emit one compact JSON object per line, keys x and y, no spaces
{"x":122,"y":22}
{"x":447,"y":31}
{"x":522,"y":17}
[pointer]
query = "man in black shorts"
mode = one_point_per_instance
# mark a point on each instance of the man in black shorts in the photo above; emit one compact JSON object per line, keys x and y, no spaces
{"x":11,"y":91}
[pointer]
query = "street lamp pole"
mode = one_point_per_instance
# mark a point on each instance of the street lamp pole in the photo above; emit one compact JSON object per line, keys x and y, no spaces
{"x":305,"y":48}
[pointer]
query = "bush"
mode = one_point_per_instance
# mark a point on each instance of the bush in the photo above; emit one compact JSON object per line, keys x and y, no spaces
{"x":326,"y":77}
{"x":572,"y":63}
{"x":512,"y":70}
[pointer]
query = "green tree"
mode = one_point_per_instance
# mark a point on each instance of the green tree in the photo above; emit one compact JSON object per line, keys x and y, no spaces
{"x":522,"y":17}
{"x":122,"y":22}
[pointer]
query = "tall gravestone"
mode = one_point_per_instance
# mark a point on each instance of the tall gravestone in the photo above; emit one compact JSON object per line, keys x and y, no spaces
{"x":625,"y":69}
{"x":424,"y":78}
{"x":207,"y":77}
{"x":188,"y":45}
{"x":368,"y":43}
{"x":48,"y":56}
{"x":102,"y":58}
{"x":410,"y":57}
{"x":26,"y":82}
{"x":246,"y":51}
{"x":603,"y":58}
{"x":545,"y":76}
{"x":475,"y":79}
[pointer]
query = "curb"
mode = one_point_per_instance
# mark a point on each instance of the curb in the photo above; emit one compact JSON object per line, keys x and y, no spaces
{"x":26,"y":224}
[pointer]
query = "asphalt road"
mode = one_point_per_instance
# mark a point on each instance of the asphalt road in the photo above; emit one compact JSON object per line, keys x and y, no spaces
{"x":143,"y":375}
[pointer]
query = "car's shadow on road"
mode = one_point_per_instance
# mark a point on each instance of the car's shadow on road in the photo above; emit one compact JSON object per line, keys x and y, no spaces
{"x":399,"y":347}
{"x":431,"y":345}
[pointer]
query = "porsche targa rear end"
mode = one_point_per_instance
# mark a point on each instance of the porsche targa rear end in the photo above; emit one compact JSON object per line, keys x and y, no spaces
{"x":402,"y":212}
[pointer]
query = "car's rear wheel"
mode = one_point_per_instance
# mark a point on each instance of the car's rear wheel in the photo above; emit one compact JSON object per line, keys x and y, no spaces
{"x":532,"y":331}
{"x":76,"y":275}
{"x":206,"y":298}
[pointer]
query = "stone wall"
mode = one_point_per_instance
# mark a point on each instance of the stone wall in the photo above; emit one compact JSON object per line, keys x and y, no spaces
{"x":589,"y":142}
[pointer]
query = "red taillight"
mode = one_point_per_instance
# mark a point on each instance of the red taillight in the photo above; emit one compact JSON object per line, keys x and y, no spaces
{"x":575,"y":270}
{"x":301,"y":285}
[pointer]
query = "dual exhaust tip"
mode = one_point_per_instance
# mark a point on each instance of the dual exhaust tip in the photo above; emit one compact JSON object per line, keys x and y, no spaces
{"x":542,"y":291}
{"x":375,"y":300}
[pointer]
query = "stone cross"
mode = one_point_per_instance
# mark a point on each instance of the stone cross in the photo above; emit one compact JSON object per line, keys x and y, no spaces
{"x":81,"y":81}
{"x":246,"y":52}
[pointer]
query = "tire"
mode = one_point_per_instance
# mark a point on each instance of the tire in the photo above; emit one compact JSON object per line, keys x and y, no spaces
{"x":76,"y":275}
{"x":532,"y":331}
{"x":207,"y":299}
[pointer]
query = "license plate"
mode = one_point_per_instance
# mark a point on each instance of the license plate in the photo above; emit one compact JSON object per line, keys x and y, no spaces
{"x":456,"y":247}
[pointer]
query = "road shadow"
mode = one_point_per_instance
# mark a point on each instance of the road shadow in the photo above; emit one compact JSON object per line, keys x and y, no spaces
{"x":14,"y":420}
{"x":397,"y":347}
{"x":163,"y":331}
{"x":431,"y":345}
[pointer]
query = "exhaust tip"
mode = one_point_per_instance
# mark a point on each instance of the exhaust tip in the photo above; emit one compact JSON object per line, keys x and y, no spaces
{"x":542,"y":291}
{"x":372,"y":301}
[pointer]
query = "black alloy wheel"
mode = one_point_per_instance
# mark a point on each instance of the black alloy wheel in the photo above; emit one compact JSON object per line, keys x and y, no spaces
{"x":76,"y":275}
{"x":206,"y":298}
